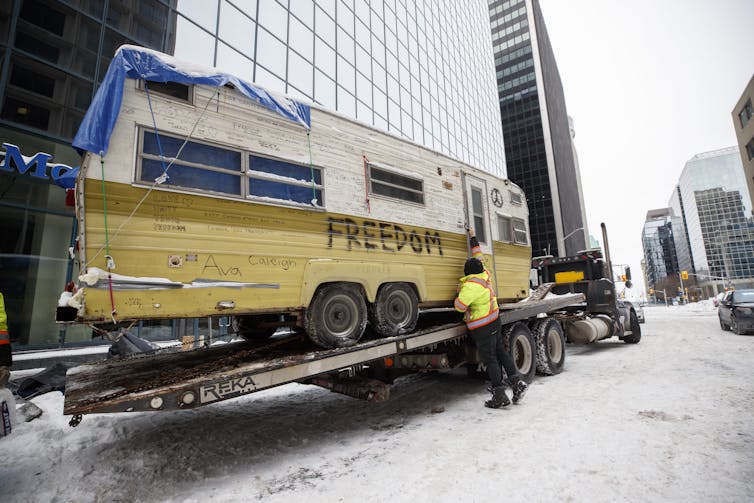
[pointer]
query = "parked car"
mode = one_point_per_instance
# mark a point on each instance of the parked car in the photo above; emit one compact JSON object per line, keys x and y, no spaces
{"x":637,"y":308}
{"x":736,"y":311}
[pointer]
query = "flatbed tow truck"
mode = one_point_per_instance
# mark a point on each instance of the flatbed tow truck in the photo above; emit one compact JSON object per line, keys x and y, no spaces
{"x":190,"y":379}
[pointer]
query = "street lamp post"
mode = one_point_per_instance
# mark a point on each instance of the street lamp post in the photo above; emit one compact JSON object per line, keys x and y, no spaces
{"x":563,"y":239}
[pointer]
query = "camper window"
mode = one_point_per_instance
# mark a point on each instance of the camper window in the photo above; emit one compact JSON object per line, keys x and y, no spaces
{"x":519,"y":231}
{"x":477,"y":209}
{"x":505,"y":230}
{"x":285,"y":181}
{"x":515,"y":198}
{"x":200,"y":166}
{"x":171,"y":89}
{"x":390,"y":184}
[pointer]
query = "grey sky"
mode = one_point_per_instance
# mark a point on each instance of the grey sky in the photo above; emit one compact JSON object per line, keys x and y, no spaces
{"x":649,"y":83}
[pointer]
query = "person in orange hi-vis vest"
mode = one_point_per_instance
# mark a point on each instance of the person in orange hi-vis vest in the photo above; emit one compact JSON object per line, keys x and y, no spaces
{"x":476,"y":298}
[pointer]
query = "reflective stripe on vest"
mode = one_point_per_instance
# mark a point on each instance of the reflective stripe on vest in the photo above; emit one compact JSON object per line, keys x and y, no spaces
{"x":493,"y":313}
{"x":4,"y":337}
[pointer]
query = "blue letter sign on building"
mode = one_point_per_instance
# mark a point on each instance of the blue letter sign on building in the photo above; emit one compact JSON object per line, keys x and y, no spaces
{"x":13,"y":160}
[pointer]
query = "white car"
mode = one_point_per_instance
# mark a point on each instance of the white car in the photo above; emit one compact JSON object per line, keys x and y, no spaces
{"x":637,"y":308}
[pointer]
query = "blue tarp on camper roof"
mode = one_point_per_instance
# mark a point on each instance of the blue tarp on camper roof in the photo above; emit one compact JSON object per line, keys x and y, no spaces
{"x":140,"y":63}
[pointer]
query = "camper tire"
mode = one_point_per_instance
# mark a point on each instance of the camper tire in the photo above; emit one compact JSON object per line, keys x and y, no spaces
{"x":336,"y":316}
{"x":395,"y":310}
{"x":519,"y":342}
{"x":550,"y":346}
{"x":254,"y":327}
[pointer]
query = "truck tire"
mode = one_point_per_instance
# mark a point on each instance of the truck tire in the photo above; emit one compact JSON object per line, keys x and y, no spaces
{"x":248,"y":326}
{"x":550,"y":346}
{"x":520,"y":344}
{"x":395,"y":310}
{"x":336,"y":316}
{"x":635,"y":336}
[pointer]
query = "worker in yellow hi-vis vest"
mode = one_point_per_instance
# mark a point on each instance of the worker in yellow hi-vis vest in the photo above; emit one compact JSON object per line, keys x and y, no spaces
{"x":476,"y":298}
{"x":6,"y":358}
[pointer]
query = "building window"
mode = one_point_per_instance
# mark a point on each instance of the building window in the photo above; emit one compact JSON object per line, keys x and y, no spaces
{"x":515,"y":198}
{"x":505,"y":228}
{"x":171,"y":89}
{"x":390,"y":184}
{"x":477,"y":209}
{"x":745,"y":115}
{"x":750,"y":149}
{"x":283,"y":181}
{"x":201,"y":167}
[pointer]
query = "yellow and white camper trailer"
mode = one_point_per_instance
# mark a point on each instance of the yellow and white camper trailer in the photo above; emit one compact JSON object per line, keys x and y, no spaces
{"x":208,"y":203}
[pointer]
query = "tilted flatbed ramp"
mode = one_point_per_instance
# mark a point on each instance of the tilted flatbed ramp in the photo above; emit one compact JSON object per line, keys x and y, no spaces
{"x":186,"y":380}
{"x":199,"y":377}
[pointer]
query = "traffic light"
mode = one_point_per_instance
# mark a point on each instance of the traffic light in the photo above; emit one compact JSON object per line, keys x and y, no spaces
{"x":628,"y":273}
{"x":684,"y":275}
{"x":651,"y":291}
{"x":623,"y":277}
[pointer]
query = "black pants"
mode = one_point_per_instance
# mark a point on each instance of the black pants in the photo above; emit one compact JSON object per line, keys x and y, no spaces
{"x":6,"y":357}
{"x":489,"y":343}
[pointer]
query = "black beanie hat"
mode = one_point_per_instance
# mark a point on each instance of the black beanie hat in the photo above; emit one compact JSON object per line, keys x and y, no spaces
{"x":472,"y":266}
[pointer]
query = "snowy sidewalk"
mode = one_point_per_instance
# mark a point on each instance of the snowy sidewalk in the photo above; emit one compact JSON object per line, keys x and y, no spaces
{"x":668,"y":419}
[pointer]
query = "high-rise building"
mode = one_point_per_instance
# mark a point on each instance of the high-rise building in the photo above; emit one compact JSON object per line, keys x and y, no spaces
{"x":743,"y":123}
{"x":419,"y":69}
{"x":52,"y":56}
{"x":715,"y":205}
{"x":662,"y":238}
{"x":538,"y":146}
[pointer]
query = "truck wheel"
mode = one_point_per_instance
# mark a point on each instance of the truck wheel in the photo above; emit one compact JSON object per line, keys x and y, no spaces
{"x":337,"y":316}
{"x":395,"y":310}
{"x":635,"y":336}
{"x":249,"y":327}
{"x":550,"y":346}
{"x":521,"y":346}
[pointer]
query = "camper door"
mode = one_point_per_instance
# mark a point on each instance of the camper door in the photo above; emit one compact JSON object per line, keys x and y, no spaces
{"x":477,"y":211}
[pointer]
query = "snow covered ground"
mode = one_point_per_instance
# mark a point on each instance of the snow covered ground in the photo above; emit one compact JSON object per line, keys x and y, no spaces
{"x":669,"y":419}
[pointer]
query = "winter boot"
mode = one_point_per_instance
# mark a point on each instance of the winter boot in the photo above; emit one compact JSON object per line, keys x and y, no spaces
{"x":499,"y":398}
{"x":519,"y":389}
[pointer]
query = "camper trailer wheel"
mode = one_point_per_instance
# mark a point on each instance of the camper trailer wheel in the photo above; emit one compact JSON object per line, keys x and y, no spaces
{"x":520,"y":343}
{"x":395,"y":310}
{"x":550,"y":346}
{"x":255,"y":327}
{"x":337,"y":315}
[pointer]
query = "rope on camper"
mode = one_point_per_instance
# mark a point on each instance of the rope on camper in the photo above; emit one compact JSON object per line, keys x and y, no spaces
{"x":311,"y":168}
{"x":158,"y":180}
{"x":108,"y":258}
{"x":366,"y":184}
{"x":164,"y":176}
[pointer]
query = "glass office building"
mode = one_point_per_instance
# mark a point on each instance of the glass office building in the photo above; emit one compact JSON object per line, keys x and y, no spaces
{"x":714,"y":199}
{"x":538,"y":148}
{"x":52,"y":56}
{"x":665,"y":250}
{"x":422,"y":70}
